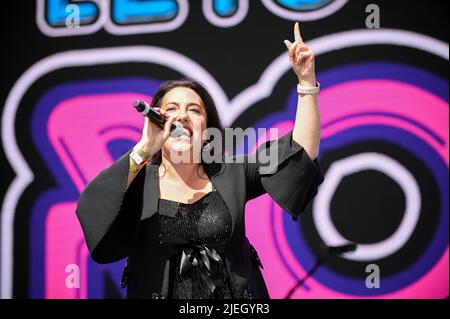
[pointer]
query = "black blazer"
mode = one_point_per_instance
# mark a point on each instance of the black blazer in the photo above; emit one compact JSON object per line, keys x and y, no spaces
{"x":118,"y":223}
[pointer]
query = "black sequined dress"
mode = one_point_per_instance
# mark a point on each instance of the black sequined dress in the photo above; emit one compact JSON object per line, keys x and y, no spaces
{"x":196,"y":233}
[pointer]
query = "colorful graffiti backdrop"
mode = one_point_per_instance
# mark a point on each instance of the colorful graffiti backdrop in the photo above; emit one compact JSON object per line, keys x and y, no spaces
{"x":66,"y":114}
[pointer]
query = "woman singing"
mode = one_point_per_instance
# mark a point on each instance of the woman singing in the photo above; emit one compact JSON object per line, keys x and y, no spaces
{"x":180,"y":224}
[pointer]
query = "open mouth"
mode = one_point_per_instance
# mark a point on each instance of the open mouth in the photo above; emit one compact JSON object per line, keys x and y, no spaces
{"x":186,"y":134}
{"x":187,"y":129}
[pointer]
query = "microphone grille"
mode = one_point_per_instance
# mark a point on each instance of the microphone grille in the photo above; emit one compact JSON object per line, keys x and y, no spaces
{"x":178,"y":130}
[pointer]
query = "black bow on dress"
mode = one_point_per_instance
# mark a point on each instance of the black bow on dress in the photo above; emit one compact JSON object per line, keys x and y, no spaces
{"x":201,"y":256}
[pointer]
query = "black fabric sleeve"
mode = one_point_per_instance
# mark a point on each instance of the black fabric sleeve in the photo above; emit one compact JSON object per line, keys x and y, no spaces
{"x":109,"y":214}
{"x":292,"y":182}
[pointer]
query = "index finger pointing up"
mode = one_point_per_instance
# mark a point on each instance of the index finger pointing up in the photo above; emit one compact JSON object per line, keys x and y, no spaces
{"x":297,"y":35}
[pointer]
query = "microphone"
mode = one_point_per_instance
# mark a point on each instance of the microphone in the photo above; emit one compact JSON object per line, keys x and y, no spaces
{"x":157,"y":118}
{"x":330,"y":251}
{"x":341,"y":249}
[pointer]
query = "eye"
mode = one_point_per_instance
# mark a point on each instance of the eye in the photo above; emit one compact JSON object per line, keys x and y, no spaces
{"x":195,"y":110}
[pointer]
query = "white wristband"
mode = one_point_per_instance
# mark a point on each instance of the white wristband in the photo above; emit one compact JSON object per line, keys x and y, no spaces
{"x":139,"y":156}
{"x":307,"y":90}
{"x":136,"y":157}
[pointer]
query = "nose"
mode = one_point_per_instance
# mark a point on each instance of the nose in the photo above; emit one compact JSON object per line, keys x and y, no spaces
{"x":181,"y":115}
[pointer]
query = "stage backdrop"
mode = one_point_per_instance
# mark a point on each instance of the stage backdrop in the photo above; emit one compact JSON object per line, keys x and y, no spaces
{"x":70,"y":70}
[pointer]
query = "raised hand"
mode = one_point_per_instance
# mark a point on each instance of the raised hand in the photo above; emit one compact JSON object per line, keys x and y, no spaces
{"x":302,"y":58}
